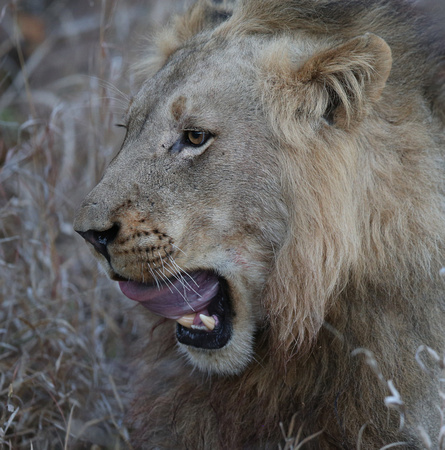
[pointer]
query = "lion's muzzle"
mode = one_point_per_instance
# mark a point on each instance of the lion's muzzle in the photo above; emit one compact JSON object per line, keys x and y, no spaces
{"x":199,"y":301}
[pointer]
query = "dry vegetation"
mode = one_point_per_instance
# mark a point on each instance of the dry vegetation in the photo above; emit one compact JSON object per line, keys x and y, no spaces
{"x":64,"y":330}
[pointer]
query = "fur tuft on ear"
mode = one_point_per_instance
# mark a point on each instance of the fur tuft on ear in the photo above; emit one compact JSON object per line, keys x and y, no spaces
{"x":339,"y":84}
{"x":203,"y":15}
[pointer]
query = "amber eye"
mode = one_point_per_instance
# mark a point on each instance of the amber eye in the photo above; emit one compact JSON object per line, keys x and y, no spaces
{"x":196,"y":138}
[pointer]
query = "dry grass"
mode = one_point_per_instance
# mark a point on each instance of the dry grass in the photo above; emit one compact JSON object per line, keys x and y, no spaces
{"x":64,"y":330}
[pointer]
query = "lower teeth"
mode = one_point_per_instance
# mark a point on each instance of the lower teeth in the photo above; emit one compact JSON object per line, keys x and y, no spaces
{"x":199,"y":327}
{"x":208,"y":323}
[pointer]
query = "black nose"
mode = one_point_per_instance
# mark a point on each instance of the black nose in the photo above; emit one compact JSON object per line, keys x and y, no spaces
{"x":101,"y":239}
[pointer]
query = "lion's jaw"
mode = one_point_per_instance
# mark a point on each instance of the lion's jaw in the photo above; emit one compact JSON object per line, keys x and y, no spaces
{"x":167,"y":211}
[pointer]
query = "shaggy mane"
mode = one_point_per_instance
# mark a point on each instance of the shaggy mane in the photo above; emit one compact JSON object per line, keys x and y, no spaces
{"x":337,"y":19}
{"x":415,"y":44}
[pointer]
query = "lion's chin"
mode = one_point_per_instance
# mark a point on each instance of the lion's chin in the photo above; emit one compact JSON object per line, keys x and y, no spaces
{"x":228,"y":349}
{"x":231,"y":359}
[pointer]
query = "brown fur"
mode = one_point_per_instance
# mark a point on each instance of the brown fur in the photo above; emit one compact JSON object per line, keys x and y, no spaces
{"x":320,"y":200}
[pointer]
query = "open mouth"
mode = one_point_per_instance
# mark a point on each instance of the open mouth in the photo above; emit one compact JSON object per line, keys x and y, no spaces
{"x":199,"y":302}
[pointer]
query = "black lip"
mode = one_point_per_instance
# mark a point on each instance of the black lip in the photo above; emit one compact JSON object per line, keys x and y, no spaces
{"x":211,"y":340}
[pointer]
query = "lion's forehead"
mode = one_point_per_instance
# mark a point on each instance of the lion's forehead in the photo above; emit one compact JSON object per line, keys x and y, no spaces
{"x":209,"y":72}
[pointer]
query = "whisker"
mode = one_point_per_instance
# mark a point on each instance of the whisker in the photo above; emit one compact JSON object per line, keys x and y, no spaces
{"x":169,"y":283}
{"x":183,"y":280}
{"x":154,"y":276}
{"x":164,"y":278}
{"x":180,"y":269}
{"x":167,"y":280}
{"x":176,"y":277}
{"x":177,"y":248}
{"x":142,"y":271}
{"x":109,"y":85}
{"x":162,"y":260}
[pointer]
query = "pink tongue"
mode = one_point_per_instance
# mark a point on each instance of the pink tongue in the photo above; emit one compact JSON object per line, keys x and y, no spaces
{"x":173,"y":300}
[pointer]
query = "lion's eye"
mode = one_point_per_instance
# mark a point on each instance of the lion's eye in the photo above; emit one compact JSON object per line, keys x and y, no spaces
{"x":196,"y":138}
{"x":193,"y":141}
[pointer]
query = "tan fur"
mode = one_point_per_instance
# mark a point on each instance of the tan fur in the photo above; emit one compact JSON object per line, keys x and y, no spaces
{"x":319,"y":199}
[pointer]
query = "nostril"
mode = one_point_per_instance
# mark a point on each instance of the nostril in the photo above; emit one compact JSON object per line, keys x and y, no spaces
{"x":101,"y":239}
{"x":107,"y":237}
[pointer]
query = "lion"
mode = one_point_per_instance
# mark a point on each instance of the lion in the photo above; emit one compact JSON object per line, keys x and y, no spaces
{"x":276,"y":213}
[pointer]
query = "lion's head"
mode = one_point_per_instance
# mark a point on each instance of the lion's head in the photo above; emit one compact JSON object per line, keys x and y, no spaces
{"x":253,"y":185}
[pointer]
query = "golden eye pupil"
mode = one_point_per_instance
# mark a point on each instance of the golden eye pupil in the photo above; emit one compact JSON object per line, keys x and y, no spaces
{"x":196,"y":137}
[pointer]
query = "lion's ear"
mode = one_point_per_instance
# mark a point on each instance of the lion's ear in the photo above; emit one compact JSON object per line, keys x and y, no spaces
{"x":339,"y":84}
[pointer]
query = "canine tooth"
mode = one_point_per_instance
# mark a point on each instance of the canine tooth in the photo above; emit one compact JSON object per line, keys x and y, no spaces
{"x":209,"y":322}
{"x":187,"y":321}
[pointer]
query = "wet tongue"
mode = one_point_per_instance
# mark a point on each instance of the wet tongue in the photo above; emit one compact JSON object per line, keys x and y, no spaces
{"x":187,"y":295}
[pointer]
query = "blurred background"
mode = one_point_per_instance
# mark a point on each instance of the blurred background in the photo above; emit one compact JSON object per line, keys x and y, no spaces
{"x":65,"y":80}
{"x":65,"y":330}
